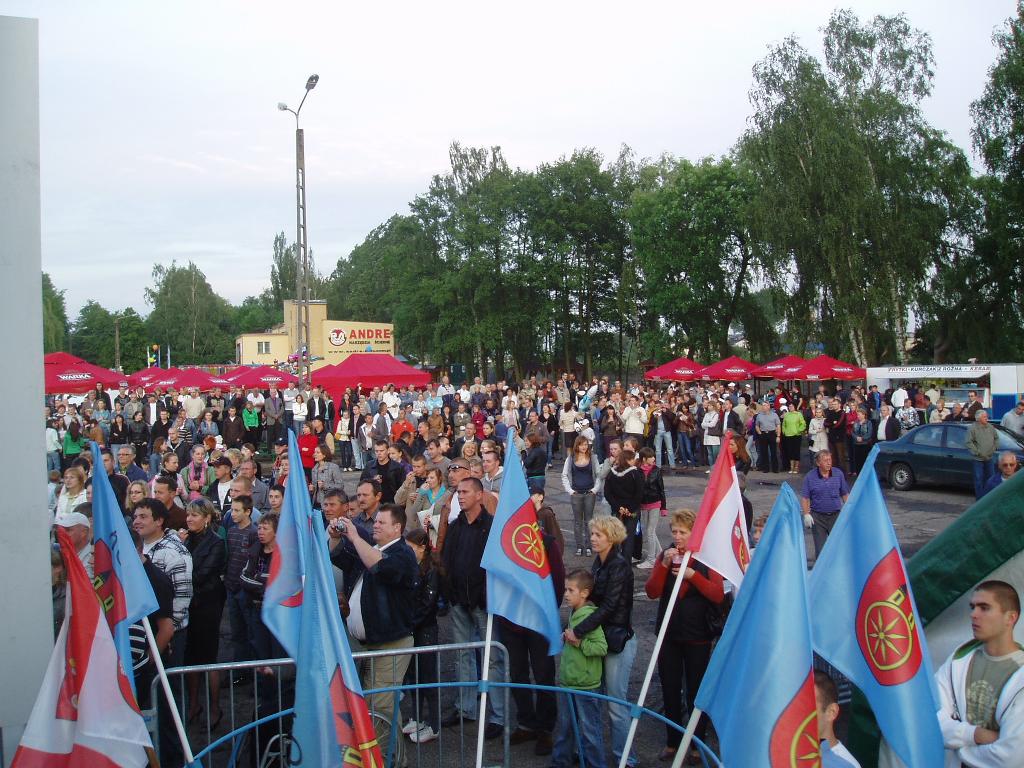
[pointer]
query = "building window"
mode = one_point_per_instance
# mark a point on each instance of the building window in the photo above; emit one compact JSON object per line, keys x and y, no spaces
{"x":262,"y":347}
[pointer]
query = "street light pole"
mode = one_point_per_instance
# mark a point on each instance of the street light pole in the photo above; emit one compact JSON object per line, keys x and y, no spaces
{"x":302,"y":330}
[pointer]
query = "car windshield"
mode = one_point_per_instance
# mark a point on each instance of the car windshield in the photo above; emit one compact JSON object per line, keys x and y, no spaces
{"x":928,"y":436}
{"x":1007,"y":442}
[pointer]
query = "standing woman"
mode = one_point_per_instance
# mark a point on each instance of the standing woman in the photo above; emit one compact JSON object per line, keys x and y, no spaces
{"x":208,"y":427}
{"x":567,"y":425}
{"x":738,"y":449}
{"x":73,"y":493}
{"x":818,"y":433}
{"x":687,"y":647}
{"x":74,"y":444}
{"x":535,"y":462}
{"x":712,"y":426}
{"x":613,"y":596}
{"x":793,"y":428}
{"x":209,"y":556}
{"x":138,"y":436}
{"x":325,"y":476}
{"x":581,"y":481}
{"x":424,"y":723}
{"x":547,"y":416}
{"x":653,"y":504}
{"x":308,"y":443}
{"x":299,"y":412}
{"x":686,"y":430}
{"x":863,"y":438}
{"x":118,"y":431}
{"x":624,"y":492}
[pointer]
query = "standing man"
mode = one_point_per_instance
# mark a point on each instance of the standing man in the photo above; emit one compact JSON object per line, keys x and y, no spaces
{"x":380,"y":581}
{"x":273,"y":412}
{"x":888,"y":427}
{"x":973,"y":407}
{"x":388,"y":473}
{"x":824,"y":493}
{"x":634,"y":418}
{"x":767,"y":435}
{"x":981,"y":685}
{"x":1014,"y":420}
{"x":465,"y":587}
{"x":289,"y":400}
{"x":982,"y":441}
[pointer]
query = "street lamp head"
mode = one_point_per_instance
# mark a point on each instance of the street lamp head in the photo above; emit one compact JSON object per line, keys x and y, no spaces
{"x":282,"y":106}
{"x":311,"y":83}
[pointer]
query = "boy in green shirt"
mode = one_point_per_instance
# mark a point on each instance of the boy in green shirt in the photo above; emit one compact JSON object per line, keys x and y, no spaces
{"x":581,"y":669}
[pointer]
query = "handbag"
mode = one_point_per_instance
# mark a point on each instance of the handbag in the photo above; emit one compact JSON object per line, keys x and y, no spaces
{"x":715,"y":430}
{"x":616,"y":636}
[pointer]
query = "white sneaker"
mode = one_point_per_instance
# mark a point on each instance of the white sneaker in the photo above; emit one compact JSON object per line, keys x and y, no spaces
{"x":423,"y":735}
{"x":412,"y":726}
{"x":646,"y":565}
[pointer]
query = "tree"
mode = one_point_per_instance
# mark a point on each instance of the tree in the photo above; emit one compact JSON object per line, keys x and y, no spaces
{"x":93,"y":335}
{"x":189,"y":316}
{"x":55,"y":317}
{"x":258,"y":313}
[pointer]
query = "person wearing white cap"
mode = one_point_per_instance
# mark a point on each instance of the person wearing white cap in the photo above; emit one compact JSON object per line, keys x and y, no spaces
{"x":79,"y":530}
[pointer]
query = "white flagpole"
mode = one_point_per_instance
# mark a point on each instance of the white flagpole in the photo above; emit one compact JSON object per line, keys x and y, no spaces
{"x":166,"y":685}
{"x":691,"y":726}
{"x":481,"y":721}
{"x":654,"y":656}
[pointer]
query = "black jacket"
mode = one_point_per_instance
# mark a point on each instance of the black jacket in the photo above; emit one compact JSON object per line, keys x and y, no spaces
{"x":388,"y":592}
{"x":463,"y":580}
{"x":892,"y":428}
{"x":654,"y":488}
{"x":613,"y":594}
{"x":689,"y":620}
{"x":209,"y":557}
{"x":624,"y":489}
{"x":392,"y":475}
{"x":428,"y":589}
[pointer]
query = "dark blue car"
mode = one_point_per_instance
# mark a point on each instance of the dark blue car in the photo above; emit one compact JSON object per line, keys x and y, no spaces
{"x":936,"y":454}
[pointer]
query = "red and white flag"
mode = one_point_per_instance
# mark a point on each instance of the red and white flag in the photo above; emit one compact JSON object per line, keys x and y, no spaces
{"x":85,"y":715}
{"x":719,"y":537}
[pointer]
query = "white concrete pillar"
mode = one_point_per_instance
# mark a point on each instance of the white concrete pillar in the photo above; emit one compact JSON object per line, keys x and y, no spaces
{"x":26,"y":623}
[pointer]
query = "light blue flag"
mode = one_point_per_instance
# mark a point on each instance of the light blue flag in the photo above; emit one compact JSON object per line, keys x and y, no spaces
{"x":865,"y":623}
{"x":759,"y":687}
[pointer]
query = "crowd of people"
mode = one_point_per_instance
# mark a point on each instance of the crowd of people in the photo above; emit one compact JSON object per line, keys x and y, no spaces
{"x":202,"y":478}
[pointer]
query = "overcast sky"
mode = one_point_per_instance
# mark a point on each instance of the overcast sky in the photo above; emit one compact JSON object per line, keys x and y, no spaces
{"x":161,"y":139}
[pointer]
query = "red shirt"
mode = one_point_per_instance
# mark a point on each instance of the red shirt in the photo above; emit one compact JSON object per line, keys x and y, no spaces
{"x":307,"y":444}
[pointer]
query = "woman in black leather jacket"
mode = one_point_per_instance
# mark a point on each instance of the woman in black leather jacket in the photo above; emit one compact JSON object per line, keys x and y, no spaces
{"x":613,"y":596}
{"x":209,"y":556}
{"x":424,"y":724}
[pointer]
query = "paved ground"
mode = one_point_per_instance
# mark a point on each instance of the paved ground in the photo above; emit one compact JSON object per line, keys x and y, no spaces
{"x":917,"y":515}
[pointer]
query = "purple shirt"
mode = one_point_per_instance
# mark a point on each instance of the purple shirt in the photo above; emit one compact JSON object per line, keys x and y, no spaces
{"x":825,"y":493}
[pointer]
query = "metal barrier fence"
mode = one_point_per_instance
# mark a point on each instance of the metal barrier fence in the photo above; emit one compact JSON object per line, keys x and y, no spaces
{"x":253,"y":730}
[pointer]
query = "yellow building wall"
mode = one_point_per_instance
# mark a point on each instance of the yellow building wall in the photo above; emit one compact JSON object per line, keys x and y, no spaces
{"x":317,"y":317}
{"x":246,"y":348}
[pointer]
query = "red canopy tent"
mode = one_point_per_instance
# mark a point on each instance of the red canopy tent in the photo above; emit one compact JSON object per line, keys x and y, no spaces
{"x":371,"y":369}
{"x":680,"y":369}
{"x":775,"y":368}
{"x":67,"y":374}
{"x":732,"y":368}
{"x":262,"y":376}
{"x":824,"y":368}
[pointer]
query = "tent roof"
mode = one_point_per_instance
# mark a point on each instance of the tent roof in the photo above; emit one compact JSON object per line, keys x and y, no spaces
{"x":775,"y":368}
{"x":76,"y":378}
{"x":260,"y":376}
{"x":680,"y":369}
{"x":732,"y":368}
{"x":824,"y":368}
{"x":371,"y":369}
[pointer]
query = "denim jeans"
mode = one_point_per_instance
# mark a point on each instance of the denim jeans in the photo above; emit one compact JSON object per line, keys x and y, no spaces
{"x":582,"y":512}
{"x":357,"y":455}
{"x":469,"y":625}
{"x":241,"y":616}
{"x":617,"y":667}
{"x":983,"y":471}
{"x":686,"y":450}
{"x":52,"y":461}
{"x":591,"y":725}
{"x":712,"y":454}
{"x":649,"y":525}
{"x":663,"y":439}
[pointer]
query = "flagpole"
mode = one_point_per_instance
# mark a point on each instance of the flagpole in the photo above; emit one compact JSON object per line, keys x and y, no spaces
{"x":166,"y":685}
{"x":481,"y":725}
{"x":654,"y":657}
{"x":691,"y":726}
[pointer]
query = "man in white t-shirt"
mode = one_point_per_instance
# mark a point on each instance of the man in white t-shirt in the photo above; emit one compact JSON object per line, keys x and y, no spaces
{"x":899,"y":397}
{"x":826,"y":697}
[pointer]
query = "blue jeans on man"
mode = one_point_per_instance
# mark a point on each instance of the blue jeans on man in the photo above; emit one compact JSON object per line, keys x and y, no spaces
{"x":470,"y":625}
{"x":983,"y":471}
{"x":242,"y":619}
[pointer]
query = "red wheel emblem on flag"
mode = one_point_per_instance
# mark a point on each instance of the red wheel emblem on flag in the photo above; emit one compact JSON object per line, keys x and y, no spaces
{"x":886,"y":626}
{"x":522,"y":542}
{"x":794,"y":739}
{"x":739,"y":547}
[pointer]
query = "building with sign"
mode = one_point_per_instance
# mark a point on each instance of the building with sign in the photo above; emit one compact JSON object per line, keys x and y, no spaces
{"x":331,"y":341}
{"x":1000,"y":386}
